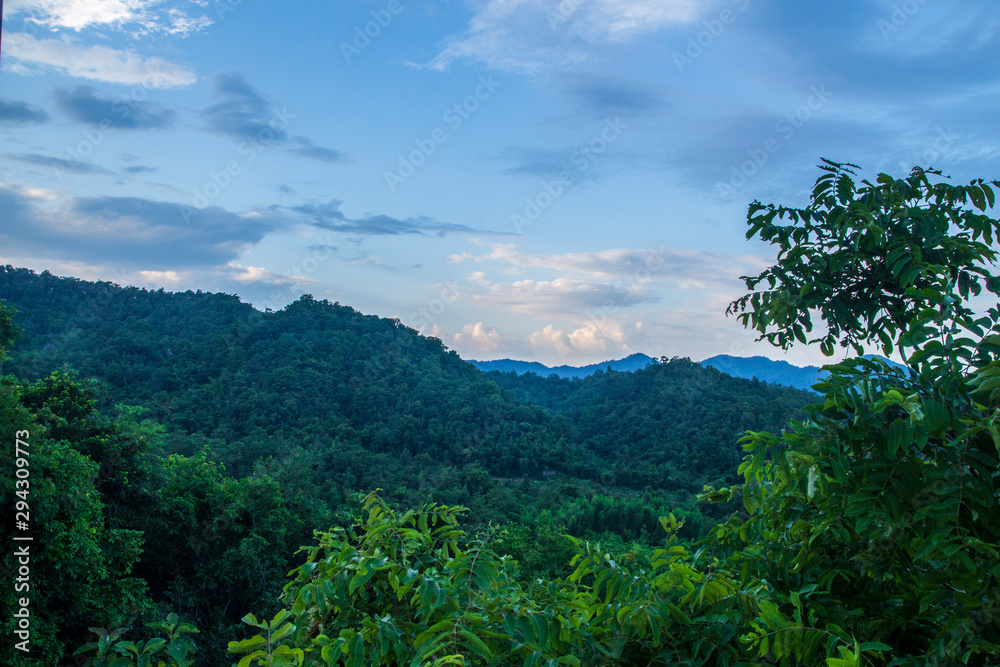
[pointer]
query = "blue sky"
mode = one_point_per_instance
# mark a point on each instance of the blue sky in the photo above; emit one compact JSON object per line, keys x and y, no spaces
{"x":562,"y":181}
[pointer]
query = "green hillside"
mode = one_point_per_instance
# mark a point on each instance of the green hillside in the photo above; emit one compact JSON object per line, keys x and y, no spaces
{"x":370,"y":403}
{"x":297,"y":413}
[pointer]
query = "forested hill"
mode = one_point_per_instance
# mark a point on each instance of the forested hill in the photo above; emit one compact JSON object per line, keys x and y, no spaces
{"x":668,"y":425}
{"x":309,"y":406}
{"x":312,"y":373}
{"x":365,"y":402}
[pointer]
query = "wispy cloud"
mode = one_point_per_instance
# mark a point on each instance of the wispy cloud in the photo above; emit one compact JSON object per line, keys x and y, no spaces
{"x":529,"y":35}
{"x":305,"y":147}
{"x":243,"y":113}
{"x":96,"y":63}
{"x":562,"y":297}
{"x":136,"y":169}
{"x":13,"y":112}
{"x":258,"y":274}
{"x":85,"y":104}
{"x":694,"y":269}
{"x":329,"y":216}
{"x":603,"y":95}
{"x":59,"y":164}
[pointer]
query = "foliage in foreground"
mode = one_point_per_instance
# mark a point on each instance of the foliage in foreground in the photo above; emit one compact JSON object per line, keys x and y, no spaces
{"x":399,"y":589}
{"x":881,"y":512}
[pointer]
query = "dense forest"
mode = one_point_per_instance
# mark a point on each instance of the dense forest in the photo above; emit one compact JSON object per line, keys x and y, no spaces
{"x":259,"y":427}
{"x":183,"y":446}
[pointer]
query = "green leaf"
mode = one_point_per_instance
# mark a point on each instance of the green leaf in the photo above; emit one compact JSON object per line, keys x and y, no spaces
{"x":250,"y":619}
{"x":154,"y":645}
{"x":356,"y":651}
{"x":248,"y":659}
{"x":246,"y":645}
{"x":477,"y":644}
{"x":285,"y":630}
{"x":875,"y":646}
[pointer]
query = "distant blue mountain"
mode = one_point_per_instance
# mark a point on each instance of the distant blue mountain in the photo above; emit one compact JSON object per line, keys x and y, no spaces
{"x":761,"y":368}
{"x":775,"y":372}
{"x":766,"y":370}
{"x":633,"y":362}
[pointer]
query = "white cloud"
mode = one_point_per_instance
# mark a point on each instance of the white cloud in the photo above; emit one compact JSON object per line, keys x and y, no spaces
{"x":182,"y":25}
{"x":550,"y":339}
{"x":478,"y":278}
{"x":254,"y":274}
{"x":41,"y":193}
{"x":77,"y":14}
{"x":604,"y":339}
{"x":617,"y":19}
{"x":479,"y":337}
{"x":141,"y":16}
{"x":161,"y":277}
{"x":96,"y":63}
{"x":617,"y":337}
{"x":562,"y":296}
{"x":694,"y":269}
{"x":528,"y":35}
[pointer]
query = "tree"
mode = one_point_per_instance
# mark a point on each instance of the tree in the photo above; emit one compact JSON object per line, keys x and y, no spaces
{"x":880,"y":513}
{"x":80,"y":564}
{"x":890,"y":263}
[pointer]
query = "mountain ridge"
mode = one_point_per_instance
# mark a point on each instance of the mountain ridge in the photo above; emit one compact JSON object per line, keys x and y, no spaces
{"x":630,"y":363}
{"x":761,"y":368}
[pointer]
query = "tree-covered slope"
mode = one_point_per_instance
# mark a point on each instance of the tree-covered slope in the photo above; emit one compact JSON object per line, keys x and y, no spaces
{"x":340,"y":388}
{"x":671,"y":425}
{"x":314,"y":372}
{"x":330,"y":403}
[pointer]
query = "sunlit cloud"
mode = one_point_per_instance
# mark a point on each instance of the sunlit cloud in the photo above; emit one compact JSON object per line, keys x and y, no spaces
{"x":479,"y":337}
{"x":95,"y":63}
{"x":134,"y":15}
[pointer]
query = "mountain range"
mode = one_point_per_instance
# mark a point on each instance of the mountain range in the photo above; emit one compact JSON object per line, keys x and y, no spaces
{"x":633,"y":362}
{"x":758,"y":367}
